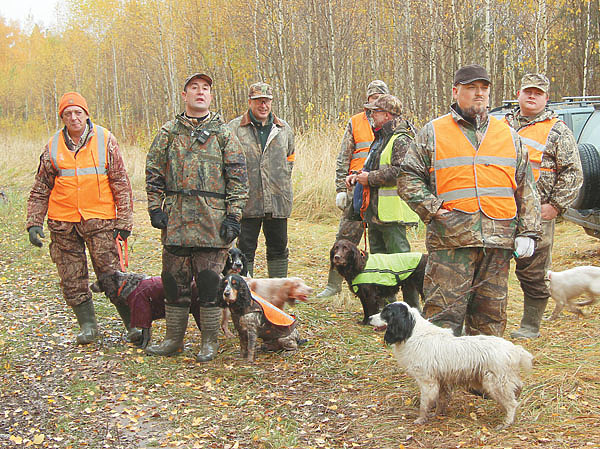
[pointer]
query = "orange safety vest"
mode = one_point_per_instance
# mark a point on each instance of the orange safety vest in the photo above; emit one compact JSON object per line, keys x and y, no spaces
{"x":81,"y":188}
{"x":363,"y":138}
{"x":272,"y":313}
{"x":535,"y":138}
{"x":470,"y":179}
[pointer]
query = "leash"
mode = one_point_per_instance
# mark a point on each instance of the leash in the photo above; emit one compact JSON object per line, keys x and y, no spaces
{"x":364,"y":223}
{"x":123,"y":252}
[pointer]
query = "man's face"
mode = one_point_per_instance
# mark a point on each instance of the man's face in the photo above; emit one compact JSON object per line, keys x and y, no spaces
{"x":74,"y":118}
{"x":380,"y":118}
{"x":472,"y":98}
{"x":261,"y":108}
{"x":532,"y":101}
{"x":197,"y":97}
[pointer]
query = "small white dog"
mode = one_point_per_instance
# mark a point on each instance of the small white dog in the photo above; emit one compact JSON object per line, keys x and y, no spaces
{"x":566,"y":286}
{"x":438,"y":360}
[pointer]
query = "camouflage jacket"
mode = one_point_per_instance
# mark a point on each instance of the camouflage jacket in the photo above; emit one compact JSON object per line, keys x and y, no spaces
{"x":560,"y":186}
{"x":197,"y":184}
{"x":347,"y":147}
{"x":456,"y":229}
{"x":269,"y":171}
{"x":37,"y":205}
{"x":387,"y":176}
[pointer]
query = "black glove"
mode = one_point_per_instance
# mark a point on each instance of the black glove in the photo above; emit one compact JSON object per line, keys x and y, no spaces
{"x":158,"y":218}
{"x":230,"y":229}
{"x":122,"y":232}
{"x":35,"y":232}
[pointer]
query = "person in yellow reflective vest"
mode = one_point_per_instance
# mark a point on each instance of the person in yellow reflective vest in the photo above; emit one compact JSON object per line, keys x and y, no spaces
{"x":353,"y":152}
{"x":385,"y":213}
{"x":557,"y":170}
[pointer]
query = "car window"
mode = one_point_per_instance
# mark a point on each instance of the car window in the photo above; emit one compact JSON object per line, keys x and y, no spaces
{"x":579,"y":120}
{"x":591,"y":132}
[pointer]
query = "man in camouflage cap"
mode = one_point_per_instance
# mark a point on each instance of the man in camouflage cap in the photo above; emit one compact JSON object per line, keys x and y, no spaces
{"x":375,"y":194}
{"x":82,"y":184}
{"x":197,"y":186}
{"x":557,"y":170}
{"x":355,"y":146}
{"x":469,"y":179}
{"x":268,"y":143}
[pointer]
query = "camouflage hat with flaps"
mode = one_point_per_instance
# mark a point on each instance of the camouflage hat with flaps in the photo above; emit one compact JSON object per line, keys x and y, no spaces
{"x":377,"y":87}
{"x":535,"y":80}
{"x":386,"y":103}
{"x":260,"y":90}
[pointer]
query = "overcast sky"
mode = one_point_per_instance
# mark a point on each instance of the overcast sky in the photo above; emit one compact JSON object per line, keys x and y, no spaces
{"x":43,"y":11}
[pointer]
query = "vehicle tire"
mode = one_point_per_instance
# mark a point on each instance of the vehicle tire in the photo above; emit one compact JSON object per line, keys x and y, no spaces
{"x":589,"y":197}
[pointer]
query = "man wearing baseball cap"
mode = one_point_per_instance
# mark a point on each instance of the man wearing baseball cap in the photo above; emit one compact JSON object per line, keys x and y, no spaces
{"x":82,"y":185}
{"x":197,"y":186}
{"x":469,"y":179}
{"x":268,"y":143}
{"x":375,"y":195}
{"x":557,"y":171}
{"x":354,"y":148}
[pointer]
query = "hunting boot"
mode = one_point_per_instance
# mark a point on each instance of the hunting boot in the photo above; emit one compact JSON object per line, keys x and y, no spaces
{"x":210,"y":319}
{"x":277,"y":268}
{"x":86,"y":318}
{"x":250,"y":266}
{"x":334,"y":285}
{"x":533,"y":309}
{"x":177,"y":319}
{"x":134,"y":335}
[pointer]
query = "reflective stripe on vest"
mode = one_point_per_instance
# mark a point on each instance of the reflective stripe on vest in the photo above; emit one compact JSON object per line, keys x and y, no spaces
{"x":363,"y":137}
{"x":81,"y":188}
{"x":535,"y":138}
{"x":387,"y":269}
{"x":390,"y":207}
{"x":470,"y":179}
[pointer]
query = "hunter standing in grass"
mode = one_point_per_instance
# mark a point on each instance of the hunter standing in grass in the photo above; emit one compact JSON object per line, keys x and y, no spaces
{"x":268,"y":143}
{"x":469,"y":179}
{"x":197,"y":186}
{"x":375,"y":195}
{"x":557,"y":171}
{"x":82,"y":185}
{"x":355,"y":146}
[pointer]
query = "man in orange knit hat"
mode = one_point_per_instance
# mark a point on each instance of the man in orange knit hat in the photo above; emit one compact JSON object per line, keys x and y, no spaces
{"x":82,"y":185}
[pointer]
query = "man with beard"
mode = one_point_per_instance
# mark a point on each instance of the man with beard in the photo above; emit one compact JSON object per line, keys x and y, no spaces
{"x":469,"y":179}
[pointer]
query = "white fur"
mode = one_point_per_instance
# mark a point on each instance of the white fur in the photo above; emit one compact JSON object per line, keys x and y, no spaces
{"x":438,"y":360}
{"x":566,"y":286}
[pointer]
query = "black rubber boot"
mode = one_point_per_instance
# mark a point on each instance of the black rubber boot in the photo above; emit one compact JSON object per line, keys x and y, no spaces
{"x":177,"y":320}
{"x":533,"y":310}
{"x":334,"y":285}
{"x":210,"y":320}
{"x":86,"y":318}
{"x":134,"y":335}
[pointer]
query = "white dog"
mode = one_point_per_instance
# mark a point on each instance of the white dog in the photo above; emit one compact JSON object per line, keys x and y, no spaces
{"x":438,"y":360}
{"x":566,"y":286}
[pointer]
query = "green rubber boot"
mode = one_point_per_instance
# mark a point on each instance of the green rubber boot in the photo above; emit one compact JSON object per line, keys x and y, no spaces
{"x":134,"y":335}
{"x":277,"y":268}
{"x":86,"y":318}
{"x":334,"y":285}
{"x":210,"y":320}
{"x":177,"y":320}
{"x":533,"y":310}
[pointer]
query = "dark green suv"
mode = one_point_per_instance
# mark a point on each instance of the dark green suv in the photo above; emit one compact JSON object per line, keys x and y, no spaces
{"x":582,"y":116}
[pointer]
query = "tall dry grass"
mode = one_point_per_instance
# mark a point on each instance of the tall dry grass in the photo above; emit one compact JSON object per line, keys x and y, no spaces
{"x":313,"y":177}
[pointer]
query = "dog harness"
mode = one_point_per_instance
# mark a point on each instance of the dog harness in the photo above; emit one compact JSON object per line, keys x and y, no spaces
{"x":387,"y":269}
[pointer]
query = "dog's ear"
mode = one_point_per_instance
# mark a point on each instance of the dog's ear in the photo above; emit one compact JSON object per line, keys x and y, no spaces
{"x":220,"y":301}
{"x":244,"y":291}
{"x":400,"y":323}
{"x":332,"y":254}
{"x":244,"y":271}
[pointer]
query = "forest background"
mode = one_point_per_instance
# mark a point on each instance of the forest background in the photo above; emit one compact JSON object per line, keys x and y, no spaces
{"x":129,"y":57}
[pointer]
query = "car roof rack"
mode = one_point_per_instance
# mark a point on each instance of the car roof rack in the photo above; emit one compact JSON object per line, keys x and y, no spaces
{"x":591,"y":99}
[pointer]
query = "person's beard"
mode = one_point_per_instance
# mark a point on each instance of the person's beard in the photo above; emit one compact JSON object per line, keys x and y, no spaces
{"x":475,"y":111}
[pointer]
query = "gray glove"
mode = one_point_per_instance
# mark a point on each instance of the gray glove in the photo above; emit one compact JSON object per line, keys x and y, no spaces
{"x":524,"y":247}
{"x":35,"y":235}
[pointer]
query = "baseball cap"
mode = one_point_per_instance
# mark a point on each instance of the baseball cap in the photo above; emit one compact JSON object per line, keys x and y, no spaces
{"x":386,"y":103}
{"x":535,"y":80}
{"x":203,"y":76}
{"x":260,"y":90}
{"x":469,"y":73}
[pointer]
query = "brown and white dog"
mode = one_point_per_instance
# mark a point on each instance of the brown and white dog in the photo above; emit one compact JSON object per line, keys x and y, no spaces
{"x":280,"y":291}
{"x":568,"y":285}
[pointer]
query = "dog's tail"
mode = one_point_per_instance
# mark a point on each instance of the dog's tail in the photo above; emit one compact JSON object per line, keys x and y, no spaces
{"x":525,"y":358}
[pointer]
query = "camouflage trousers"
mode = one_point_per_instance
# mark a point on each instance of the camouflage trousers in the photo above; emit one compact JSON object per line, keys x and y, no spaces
{"x":531,"y":271}
{"x":68,"y":242}
{"x":181,"y":268}
{"x":350,"y":230}
{"x":470,"y":286}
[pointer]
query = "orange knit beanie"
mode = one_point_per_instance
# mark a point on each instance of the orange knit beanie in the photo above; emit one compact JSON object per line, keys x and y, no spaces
{"x":72,"y":99}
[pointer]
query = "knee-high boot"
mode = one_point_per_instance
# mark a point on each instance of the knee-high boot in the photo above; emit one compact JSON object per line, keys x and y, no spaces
{"x":86,"y":318}
{"x":177,"y":320}
{"x":278,"y":268}
{"x":210,"y":319}
{"x":334,"y":285}
{"x":533,"y":310}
